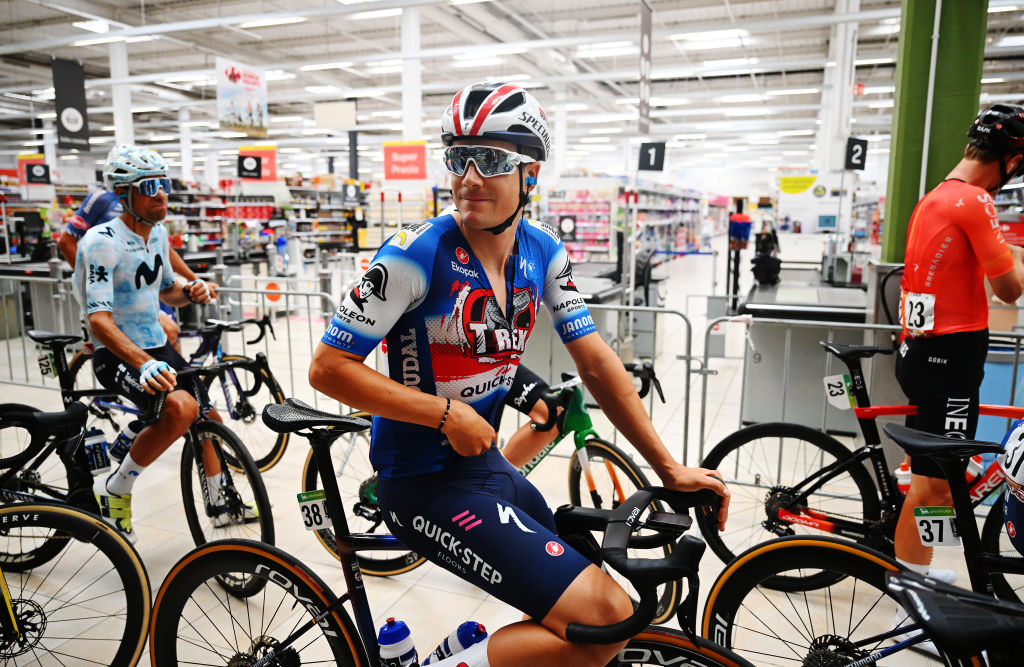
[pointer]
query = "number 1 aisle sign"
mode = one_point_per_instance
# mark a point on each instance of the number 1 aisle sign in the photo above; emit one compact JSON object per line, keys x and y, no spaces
{"x":652,"y":157}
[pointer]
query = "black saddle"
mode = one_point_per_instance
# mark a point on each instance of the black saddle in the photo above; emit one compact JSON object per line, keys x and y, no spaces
{"x":961,"y":622}
{"x":845,"y":352}
{"x":919,"y":443}
{"x":50,"y":338}
{"x":295,"y":415}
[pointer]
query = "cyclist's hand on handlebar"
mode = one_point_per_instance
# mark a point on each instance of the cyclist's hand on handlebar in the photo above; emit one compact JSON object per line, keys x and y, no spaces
{"x":468,"y":433}
{"x":199,"y":291}
{"x":682,"y":478}
{"x":157,"y":376}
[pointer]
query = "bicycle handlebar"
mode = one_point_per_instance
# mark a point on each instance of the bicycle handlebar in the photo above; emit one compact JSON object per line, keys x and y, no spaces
{"x":645,"y":574}
{"x":264,"y":323}
{"x":645,"y":371}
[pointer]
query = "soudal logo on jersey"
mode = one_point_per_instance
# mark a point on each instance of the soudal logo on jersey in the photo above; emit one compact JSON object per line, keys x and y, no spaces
{"x":148,"y":274}
{"x":372,"y":284}
{"x":486,"y":329}
{"x":566,"y":275}
{"x":462,"y":255}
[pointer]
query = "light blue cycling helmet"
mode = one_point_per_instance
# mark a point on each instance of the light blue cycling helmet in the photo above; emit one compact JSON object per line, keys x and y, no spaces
{"x":127,"y":164}
{"x":1012,"y":462}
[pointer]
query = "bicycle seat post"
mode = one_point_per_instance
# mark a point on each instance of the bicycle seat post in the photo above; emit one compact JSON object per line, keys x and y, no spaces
{"x":966,"y":524}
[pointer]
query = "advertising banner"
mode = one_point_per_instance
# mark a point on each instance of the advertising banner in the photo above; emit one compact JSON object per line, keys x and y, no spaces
{"x":24,"y":162}
{"x":645,"y":67}
{"x":405,"y":161}
{"x":242,"y":98}
{"x":69,"y":98}
{"x":263,"y":168}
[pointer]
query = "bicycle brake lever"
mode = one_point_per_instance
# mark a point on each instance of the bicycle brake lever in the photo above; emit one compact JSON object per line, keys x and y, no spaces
{"x":657,"y":387}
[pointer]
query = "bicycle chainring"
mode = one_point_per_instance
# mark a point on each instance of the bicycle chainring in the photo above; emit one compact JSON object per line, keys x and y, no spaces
{"x":32,"y":623}
{"x":366,"y":507}
{"x":778,"y":498}
{"x":832,"y":651}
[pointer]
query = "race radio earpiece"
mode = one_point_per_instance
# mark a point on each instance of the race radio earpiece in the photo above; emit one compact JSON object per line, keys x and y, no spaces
{"x":530,"y":180}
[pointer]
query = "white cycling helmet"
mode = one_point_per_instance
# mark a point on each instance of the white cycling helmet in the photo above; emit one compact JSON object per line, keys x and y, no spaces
{"x":498,"y":111}
{"x":127,"y":164}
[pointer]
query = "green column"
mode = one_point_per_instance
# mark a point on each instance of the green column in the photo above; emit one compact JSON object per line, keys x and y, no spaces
{"x":954,"y":104}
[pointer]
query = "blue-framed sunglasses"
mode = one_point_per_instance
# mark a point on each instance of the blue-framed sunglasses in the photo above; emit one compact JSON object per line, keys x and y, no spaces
{"x":150,"y":186}
{"x":489,"y":160}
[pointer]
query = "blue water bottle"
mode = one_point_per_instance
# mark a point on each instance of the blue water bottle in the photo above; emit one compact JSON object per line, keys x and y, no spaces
{"x":460,"y":639}
{"x":396,"y":645}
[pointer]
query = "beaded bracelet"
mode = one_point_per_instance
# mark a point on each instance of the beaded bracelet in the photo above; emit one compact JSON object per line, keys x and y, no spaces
{"x":447,"y":407}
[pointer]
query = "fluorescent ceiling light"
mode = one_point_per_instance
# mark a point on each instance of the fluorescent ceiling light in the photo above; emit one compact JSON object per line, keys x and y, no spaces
{"x":873,"y":61}
{"x":605,"y":130}
{"x":271,"y":21}
{"x":387,"y":69}
{"x":389,"y":113}
{"x":279,"y":75}
{"x":479,"y":62}
{"x":628,"y":100}
{"x":194,"y":123}
{"x":606,"y":118}
{"x":286,"y":119}
{"x":795,"y":133}
{"x":231,"y":135}
{"x":735,"y":149}
{"x":186,"y":78}
{"x":466,"y":2}
{"x":171,"y":154}
{"x":736,"y":113}
{"x":323,"y":90}
{"x":96,"y":25}
{"x":575,"y":106}
{"x":885,"y":104}
{"x":496,"y":50}
{"x":594,"y":140}
{"x":994,"y":79}
{"x":1012,"y":40}
{"x":145,"y":109}
{"x":876,"y":90}
{"x":98,"y":40}
{"x":48,"y":114}
{"x":668,"y":101}
{"x":690,"y":137}
{"x":290,"y":149}
{"x":764,"y":142}
{"x":741,"y":98}
{"x":991,"y":10}
{"x":793,"y":91}
{"x":731,"y":62}
{"x":508,"y":78}
{"x":792,"y":153}
{"x":68,"y":157}
{"x":607,"y":53}
{"x":341,"y":64}
{"x":376,"y":14}
{"x":162,"y":137}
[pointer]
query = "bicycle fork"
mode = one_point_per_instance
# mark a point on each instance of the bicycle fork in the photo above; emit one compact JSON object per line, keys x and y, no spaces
{"x":8,"y":619}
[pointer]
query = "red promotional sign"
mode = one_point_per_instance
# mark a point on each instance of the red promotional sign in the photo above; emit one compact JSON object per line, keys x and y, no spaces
{"x":268,"y":162}
{"x":858,"y":89}
{"x":24,"y":161}
{"x":405,"y":161}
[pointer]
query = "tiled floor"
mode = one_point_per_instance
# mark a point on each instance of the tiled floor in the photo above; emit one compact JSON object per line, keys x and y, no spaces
{"x":430,"y":600}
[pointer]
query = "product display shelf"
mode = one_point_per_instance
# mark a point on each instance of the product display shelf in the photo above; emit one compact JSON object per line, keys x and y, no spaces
{"x":584,"y":223}
{"x":1010,"y":209}
{"x":206,"y":220}
{"x":327,"y":219}
{"x":670,"y":218}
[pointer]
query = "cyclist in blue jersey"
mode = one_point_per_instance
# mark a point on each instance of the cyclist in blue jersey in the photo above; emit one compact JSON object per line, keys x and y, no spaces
{"x":103,"y":205}
{"x":454,"y":299}
{"x":121,"y":275}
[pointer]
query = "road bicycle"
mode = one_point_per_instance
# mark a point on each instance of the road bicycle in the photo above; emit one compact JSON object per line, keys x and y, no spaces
{"x":787,"y":479}
{"x":209,"y":445}
{"x":601,"y":475}
{"x":245,"y":384}
{"x":73,"y":589}
{"x":849,"y":615}
{"x":295,"y":618}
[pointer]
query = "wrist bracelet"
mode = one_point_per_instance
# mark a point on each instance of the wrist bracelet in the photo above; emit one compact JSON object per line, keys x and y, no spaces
{"x":447,"y":407}
{"x":186,"y":289}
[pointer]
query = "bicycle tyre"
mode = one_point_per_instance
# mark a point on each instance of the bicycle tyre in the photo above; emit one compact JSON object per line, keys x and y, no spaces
{"x":241,"y":486}
{"x":266,"y":447}
{"x":995,"y":541}
{"x":759,"y":624}
{"x":189,"y":605}
{"x":609,"y":486}
{"x":750,"y":466}
{"x":15,"y":451}
{"x":98,"y":570}
{"x":666,"y":646}
{"x":355,"y":482}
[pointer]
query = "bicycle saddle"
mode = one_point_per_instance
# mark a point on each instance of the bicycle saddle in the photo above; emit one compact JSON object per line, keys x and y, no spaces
{"x":48,"y":337}
{"x":845,"y":352}
{"x":48,"y":422}
{"x":918,"y":443}
{"x":296,"y":415}
{"x":960,"y":621}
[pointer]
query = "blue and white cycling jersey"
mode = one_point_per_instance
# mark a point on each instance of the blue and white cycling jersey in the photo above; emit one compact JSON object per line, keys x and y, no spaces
{"x":117,"y":271}
{"x":99,"y":207}
{"x":444,"y":333}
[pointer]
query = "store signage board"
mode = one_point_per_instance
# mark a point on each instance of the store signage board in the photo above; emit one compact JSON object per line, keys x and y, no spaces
{"x":242,"y":98}
{"x":69,"y":100}
{"x":37,"y":174}
{"x":794,"y":185}
{"x":25,"y":162}
{"x":335,"y":115}
{"x":645,"y":68}
{"x":567,"y":227}
{"x":350,"y":195}
{"x":250,"y":166}
{"x":652,"y":157}
{"x":856,"y":153}
{"x":405,"y":161}
{"x":267,"y":168}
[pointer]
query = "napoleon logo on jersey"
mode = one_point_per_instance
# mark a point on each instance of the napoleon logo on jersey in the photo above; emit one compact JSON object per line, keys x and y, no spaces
{"x":486,"y":328}
{"x":373,"y":283}
{"x":148,"y":274}
{"x":566,"y":275}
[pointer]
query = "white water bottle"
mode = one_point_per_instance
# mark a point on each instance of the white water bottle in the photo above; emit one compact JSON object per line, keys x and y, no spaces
{"x":119,"y":449}
{"x":460,"y":639}
{"x":903,"y":478}
{"x":95,"y":444}
{"x":396,"y":645}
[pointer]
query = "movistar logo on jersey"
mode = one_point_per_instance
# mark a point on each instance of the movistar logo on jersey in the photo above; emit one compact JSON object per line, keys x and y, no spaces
{"x":148,"y":274}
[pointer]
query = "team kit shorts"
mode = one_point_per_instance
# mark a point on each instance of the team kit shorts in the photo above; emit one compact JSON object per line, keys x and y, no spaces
{"x":123,"y":378}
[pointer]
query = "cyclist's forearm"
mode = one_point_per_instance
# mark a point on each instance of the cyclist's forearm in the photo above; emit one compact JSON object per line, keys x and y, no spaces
{"x":68,"y":246}
{"x":178,"y":266}
{"x":111,"y":337}
{"x":174,"y":296}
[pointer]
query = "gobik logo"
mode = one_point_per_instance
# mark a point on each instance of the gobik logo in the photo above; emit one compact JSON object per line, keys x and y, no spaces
{"x":458,"y":557}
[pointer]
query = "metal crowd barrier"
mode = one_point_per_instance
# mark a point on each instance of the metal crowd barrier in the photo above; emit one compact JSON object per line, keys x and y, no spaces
{"x":52,"y":308}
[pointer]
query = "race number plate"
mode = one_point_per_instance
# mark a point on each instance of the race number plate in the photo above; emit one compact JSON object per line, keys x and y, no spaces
{"x":918,"y":311}
{"x":838,"y":391}
{"x":47,"y":365}
{"x":937,"y":526}
{"x":313,"y":510}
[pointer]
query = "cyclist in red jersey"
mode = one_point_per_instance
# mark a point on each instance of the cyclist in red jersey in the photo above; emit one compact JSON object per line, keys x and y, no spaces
{"x":952,"y":242}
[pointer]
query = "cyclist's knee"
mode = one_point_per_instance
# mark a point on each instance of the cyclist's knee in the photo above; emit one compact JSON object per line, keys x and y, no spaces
{"x":180,"y":408}
{"x":593,"y":599}
{"x":539,"y":412}
{"x":934,"y":489}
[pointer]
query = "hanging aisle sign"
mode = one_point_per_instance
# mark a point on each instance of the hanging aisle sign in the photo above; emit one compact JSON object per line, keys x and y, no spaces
{"x":652,"y":157}
{"x":69,"y":99}
{"x":242,"y":98}
{"x":25,"y":167}
{"x":856,"y":153}
{"x":645,"y":68}
{"x":257,"y":163}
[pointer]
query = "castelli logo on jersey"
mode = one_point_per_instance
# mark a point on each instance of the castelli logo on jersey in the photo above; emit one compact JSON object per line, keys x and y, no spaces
{"x":462,"y":255}
{"x":554,"y":548}
{"x":1011,"y":530}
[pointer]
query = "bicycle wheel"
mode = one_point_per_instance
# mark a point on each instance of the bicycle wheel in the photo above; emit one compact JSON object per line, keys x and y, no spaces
{"x":616,"y":477}
{"x":239,"y":395}
{"x":89,"y":606}
{"x":244,"y":509}
{"x":43,"y":476}
{"x":995,"y":541}
{"x":664,"y":646}
{"x":791,"y":627}
{"x":196,"y":622}
{"x":358,"y":485}
{"x":762,"y":464}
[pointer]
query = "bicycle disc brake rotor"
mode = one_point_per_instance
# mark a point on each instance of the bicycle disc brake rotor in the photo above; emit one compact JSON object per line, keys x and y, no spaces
{"x":832,"y":651}
{"x":778,"y":498}
{"x":32,"y":623}
{"x":261,"y":647}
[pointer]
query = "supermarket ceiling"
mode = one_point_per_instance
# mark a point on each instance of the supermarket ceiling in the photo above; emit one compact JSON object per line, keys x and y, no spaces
{"x":750,"y":75}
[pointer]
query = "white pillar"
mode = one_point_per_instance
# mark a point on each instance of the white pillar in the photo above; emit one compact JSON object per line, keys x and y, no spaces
{"x":50,"y":145}
{"x":561,"y":141}
{"x":212,"y":174}
{"x":837,"y":98}
{"x":185,"y":133}
{"x":412,"y":80}
{"x":121,"y":95}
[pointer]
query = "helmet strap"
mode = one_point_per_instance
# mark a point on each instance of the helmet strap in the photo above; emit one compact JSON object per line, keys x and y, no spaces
{"x":524,"y":199}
